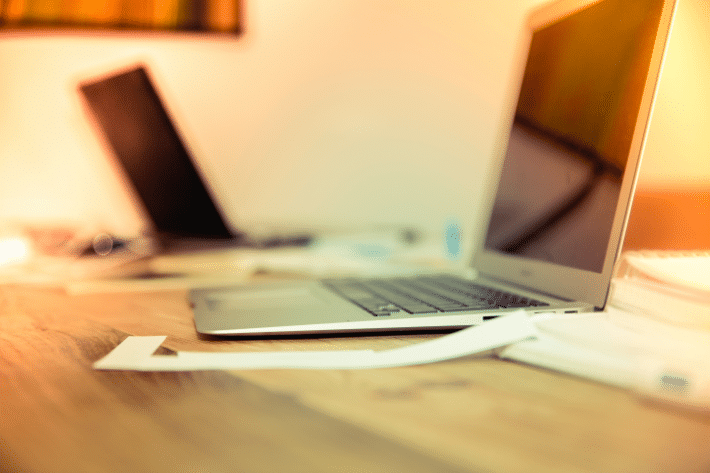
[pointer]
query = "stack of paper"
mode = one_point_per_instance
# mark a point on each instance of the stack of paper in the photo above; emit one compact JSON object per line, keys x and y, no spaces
{"x":669,"y":285}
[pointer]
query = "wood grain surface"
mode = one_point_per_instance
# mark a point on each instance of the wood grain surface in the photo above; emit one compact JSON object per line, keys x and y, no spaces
{"x":58,"y":414}
{"x":470,"y":414}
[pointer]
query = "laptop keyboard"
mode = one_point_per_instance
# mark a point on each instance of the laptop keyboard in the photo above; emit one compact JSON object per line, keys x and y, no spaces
{"x":425,"y":295}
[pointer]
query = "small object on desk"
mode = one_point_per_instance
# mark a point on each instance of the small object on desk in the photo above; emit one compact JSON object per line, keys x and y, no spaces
{"x":278,"y":241}
{"x":104,"y":244}
{"x":452,"y":237}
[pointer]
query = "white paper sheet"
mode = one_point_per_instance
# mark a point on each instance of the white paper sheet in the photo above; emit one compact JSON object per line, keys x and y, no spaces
{"x":136,"y":353}
{"x":656,"y":360}
{"x":586,"y":345}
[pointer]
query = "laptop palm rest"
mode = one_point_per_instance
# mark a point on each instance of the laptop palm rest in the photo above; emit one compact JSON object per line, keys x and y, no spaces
{"x":271,"y":306}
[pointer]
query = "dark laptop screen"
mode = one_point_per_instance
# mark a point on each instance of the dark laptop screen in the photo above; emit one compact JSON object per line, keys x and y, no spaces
{"x":571,"y":136}
{"x":143,"y":138}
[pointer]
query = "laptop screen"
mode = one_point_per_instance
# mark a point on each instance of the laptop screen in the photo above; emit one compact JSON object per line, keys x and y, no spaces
{"x":571,"y":135}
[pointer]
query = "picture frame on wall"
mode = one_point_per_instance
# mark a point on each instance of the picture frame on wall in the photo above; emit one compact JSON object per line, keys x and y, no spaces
{"x":199,"y":16}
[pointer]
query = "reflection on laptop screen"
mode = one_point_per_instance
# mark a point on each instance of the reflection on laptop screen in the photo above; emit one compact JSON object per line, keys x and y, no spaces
{"x":571,"y":135}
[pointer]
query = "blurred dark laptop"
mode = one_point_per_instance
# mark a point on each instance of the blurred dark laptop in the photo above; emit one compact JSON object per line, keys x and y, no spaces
{"x":175,"y":197}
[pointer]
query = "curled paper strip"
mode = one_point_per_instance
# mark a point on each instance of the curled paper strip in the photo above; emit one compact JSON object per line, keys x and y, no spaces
{"x":137,"y":353}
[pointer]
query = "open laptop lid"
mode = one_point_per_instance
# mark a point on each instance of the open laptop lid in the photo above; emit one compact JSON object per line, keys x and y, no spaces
{"x":573,"y":145}
{"x":128,"y":111}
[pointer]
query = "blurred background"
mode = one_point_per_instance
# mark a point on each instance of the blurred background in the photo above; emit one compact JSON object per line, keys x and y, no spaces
{"x":348,"y":114}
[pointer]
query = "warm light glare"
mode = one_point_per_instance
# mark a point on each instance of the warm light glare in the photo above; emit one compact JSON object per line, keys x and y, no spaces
{"x":13,"y":250}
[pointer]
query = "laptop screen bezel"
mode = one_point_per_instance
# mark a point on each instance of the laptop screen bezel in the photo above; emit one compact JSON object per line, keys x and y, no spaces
{"x":563,"y":281}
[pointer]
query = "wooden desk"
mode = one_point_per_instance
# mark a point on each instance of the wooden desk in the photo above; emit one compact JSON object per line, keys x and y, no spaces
{"x":471,"y":414}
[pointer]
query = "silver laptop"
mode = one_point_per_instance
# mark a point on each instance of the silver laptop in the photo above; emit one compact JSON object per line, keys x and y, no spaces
{"x":569,"y":156}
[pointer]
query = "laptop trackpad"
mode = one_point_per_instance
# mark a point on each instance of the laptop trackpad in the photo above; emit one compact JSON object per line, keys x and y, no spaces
{"x":271,"y":309}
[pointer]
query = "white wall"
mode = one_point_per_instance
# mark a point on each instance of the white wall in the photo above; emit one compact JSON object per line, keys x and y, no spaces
{"x":678,"y":147}
{"x":345,"y":113}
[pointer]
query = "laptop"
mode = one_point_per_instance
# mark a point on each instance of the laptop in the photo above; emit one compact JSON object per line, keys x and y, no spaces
{"x":170,"y":191}
{"x":566,"y":173}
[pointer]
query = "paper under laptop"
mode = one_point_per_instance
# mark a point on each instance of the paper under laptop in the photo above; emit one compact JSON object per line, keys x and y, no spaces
{"x":568,"y":160}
